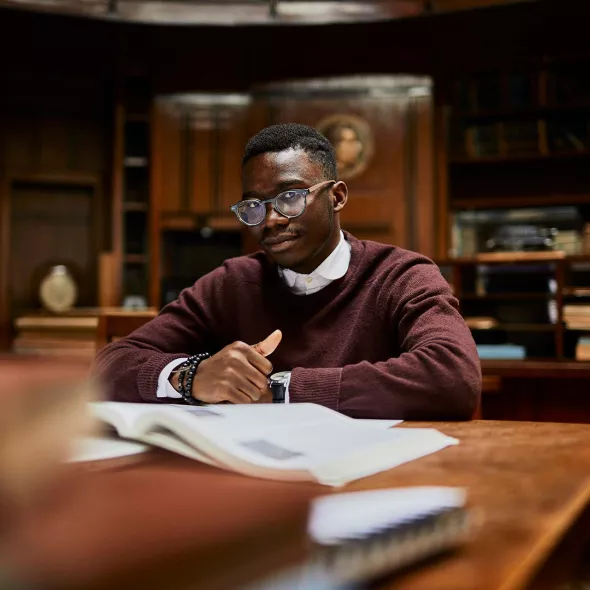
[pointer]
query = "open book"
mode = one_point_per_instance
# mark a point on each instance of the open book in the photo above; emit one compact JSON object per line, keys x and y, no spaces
{"x":294,"y":442}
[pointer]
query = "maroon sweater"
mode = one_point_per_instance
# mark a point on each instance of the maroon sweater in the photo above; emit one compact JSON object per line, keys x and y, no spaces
{"x":384,"y":341}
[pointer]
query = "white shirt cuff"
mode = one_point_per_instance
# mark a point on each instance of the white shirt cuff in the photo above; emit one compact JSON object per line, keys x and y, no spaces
{"x":287,"y":389}
{"x":165,"y":388}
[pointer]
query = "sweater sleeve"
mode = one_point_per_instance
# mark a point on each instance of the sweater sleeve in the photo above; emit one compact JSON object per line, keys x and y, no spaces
{"x":129,"y":368}
{"x":436,"y":376}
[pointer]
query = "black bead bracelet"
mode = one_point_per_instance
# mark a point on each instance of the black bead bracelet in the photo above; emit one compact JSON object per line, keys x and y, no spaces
{"x":186,"y":376}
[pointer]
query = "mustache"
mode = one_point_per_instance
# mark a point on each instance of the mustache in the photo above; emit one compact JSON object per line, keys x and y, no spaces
{"x":269,"y":235}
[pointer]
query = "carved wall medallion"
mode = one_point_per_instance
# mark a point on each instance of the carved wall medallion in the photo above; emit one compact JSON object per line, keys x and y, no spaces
{"x":353,"y":143}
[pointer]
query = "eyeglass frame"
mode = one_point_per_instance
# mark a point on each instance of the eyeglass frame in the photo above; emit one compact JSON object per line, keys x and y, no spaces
{"x":273,"y":200}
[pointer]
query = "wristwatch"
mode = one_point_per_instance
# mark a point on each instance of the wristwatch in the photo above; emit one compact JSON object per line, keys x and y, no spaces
{"x":278,"y":383}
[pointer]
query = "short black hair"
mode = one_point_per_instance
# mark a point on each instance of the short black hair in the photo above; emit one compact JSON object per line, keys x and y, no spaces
{"x":278,"y":138}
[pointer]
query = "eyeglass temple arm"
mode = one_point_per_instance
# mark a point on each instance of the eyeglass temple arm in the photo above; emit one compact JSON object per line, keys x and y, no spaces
{"x":316,"y":186}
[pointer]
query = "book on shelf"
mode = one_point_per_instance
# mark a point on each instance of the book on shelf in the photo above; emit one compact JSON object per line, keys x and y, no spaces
{"x":577,"y":316}
{"x":293,"y":442}
{"x":521,"y":137}
{"x":501,"y":352}
{"x":577,"y":291}
{"x":520,"y":256}
{"x":481,"y":322}
{"x":583,"y":348}
{"x":483,"y":140}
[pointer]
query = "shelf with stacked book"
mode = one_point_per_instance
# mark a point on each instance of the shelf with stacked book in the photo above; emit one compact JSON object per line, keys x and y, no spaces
{"x":519,"y":139}
{"x":536,"y":302}
{"x":542,"y":109}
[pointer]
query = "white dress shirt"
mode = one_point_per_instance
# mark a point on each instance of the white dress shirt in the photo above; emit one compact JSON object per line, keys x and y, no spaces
{"x":332,"y":268}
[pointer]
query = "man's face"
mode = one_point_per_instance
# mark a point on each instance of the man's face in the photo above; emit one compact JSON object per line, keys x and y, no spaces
{"x":301,"y":243}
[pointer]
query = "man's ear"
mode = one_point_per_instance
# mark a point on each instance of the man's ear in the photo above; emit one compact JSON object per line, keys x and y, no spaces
{"x":339,"y":196}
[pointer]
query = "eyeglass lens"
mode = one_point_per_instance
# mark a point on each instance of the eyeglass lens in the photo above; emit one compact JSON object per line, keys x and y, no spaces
{"x":289,"y":204}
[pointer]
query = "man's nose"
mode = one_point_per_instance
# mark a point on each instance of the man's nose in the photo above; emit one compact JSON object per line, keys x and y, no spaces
{"x":274,"y":218}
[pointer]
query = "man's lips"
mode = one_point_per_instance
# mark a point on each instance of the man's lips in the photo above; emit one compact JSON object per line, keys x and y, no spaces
{"x":273,"y":241}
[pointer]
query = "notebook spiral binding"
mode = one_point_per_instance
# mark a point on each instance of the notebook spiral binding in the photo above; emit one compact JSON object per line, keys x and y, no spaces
{"x":388,"y":550}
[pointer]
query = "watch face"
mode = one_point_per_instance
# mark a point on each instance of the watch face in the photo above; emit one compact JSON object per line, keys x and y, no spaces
{"x":280,"y":377}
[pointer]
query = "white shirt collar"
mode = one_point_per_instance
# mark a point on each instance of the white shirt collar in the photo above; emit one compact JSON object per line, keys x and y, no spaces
{"x":332,"y":268}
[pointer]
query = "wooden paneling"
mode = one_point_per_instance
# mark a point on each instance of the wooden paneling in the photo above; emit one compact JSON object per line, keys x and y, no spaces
{"x":537,"y":391}
{"x":199,"y":149}
{"x":234,"y":130}
{"x":393,"y":199}
{"x":46,"y":144}
{"x":54,"y":146}
{"x":169,"y":135}
{"x":51,"y":224}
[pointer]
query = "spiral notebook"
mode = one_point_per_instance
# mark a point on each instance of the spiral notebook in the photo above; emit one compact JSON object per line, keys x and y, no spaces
{"x":363,"y":535}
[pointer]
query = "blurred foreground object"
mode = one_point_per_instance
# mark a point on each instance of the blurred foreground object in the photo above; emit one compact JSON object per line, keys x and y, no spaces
{"x":44,"y":409}
{"x":166,"y":523}
{"x":366,"y":534}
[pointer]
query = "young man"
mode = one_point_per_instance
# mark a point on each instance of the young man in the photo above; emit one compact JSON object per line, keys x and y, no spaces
{"x":366,"y":329}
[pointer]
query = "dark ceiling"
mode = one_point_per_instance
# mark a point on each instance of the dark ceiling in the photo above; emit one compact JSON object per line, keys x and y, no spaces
{"x":251,"y":12}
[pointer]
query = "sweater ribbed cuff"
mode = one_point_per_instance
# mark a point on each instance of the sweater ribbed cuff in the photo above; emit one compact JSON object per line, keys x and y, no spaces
{"x":147,"y":380}
{"x":317,"y":386}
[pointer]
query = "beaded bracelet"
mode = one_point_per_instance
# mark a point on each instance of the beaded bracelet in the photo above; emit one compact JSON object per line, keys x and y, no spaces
{"x":186,"y":375}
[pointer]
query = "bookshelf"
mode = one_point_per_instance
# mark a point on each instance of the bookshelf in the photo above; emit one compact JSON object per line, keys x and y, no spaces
{"x":520,"y":138}
{"x":538,"y":112}
{"x":131,"y":203}
{"x":531,"y":300}
{"x":519,"y":204}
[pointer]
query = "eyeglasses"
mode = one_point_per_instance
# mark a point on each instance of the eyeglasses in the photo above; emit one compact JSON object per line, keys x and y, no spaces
{"x":289,"y":203}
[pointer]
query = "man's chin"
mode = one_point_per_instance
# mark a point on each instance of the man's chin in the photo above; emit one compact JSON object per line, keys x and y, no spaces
{"x":284,"y":259}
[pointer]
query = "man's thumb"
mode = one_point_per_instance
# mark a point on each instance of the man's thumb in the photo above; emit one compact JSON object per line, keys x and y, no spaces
{"x":269,"y":344}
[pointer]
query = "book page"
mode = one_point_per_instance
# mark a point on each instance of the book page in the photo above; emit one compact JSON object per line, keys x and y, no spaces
{"x":278,"y":441}
{"x":248,"y":420}
{"x":123,"y":417}
{"x":299,"y":439}
{"x":97,"y":448}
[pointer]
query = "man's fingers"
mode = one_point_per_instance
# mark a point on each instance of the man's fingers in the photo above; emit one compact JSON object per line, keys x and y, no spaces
{"x":269,"y":344}
{"x":255,"y":376}
{"x":252,"y":390}
{"x":235,"y":396}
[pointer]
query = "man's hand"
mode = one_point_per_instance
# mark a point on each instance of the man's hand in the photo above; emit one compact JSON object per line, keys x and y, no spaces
{"x":237,"y":374}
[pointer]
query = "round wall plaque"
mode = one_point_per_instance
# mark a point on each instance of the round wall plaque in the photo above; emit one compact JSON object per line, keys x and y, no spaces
{"x":353,"y":143}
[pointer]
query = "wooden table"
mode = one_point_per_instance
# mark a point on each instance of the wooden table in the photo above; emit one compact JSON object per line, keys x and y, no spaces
{"x":530,"y":483}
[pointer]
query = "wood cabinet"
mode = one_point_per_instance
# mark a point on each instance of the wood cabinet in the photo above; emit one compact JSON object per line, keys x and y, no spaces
{"x":199,"y":142}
